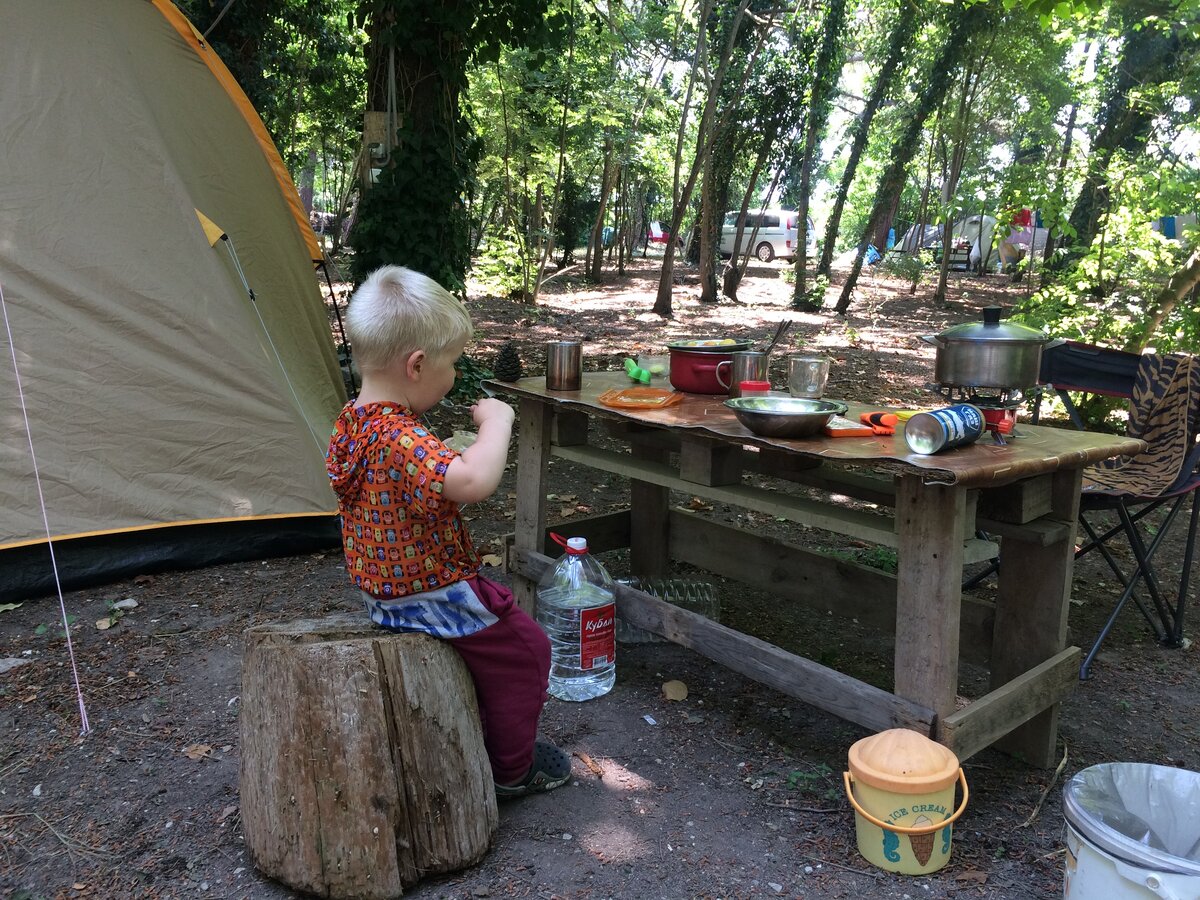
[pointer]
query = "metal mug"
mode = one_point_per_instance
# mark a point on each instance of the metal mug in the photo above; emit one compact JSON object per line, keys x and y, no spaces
{"x":807,"y":375}
{"x":744,"y":365}
{"x":564,"y":365}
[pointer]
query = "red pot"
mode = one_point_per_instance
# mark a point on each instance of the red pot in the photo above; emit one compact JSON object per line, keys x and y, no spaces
{"x":694,"y":369}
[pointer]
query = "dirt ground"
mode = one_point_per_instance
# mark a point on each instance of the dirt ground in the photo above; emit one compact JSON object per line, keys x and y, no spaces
{"x":734,"y":792}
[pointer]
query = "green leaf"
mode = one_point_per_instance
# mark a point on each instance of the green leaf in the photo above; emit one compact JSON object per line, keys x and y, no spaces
{"x":5,"y":607}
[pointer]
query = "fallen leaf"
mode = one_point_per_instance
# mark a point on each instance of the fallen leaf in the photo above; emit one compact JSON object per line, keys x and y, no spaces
{"x":697,"y":503}
{"x":5,"y":607}
{"x":197,"y":751}
{"x":104,"y":624}
{"x":143,"y":579}
{"x":566,"y":512}
{"x":79,"y":886}
{"x":226,"y":813}
{"x":28,"y":699}
{"x":568,"y":498}
{"x":491,"y":559}
{"x":590,"y":763}
{"x":972,"y":875}
{"x":675,"y":690}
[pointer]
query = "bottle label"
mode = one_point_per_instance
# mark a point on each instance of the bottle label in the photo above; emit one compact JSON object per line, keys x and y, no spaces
{"x":597,"y":636}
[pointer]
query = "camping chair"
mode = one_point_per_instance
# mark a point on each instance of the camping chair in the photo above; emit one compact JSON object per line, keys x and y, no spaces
{"x":1164,"y":393}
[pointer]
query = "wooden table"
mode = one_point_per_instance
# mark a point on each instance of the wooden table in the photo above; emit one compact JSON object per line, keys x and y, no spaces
{"x":928,"y":508}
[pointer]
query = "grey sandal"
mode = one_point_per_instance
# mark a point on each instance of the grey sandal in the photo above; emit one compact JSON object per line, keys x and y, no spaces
{"x":551,"y":768}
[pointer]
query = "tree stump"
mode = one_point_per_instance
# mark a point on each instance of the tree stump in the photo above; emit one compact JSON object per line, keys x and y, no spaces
{"x":363,"y":767}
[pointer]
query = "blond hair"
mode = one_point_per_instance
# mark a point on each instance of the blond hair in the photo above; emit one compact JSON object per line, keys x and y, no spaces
{"x":397,"y":311}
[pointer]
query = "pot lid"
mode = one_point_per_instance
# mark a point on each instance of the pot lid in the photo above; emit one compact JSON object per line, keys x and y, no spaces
{"x":708,"y":345}
{"x":992,"y":329}
{"x":903,"y":761}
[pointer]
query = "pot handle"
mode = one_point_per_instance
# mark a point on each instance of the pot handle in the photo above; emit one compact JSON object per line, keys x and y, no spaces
{"x":931,"y":339}
{"x":717,"y":372}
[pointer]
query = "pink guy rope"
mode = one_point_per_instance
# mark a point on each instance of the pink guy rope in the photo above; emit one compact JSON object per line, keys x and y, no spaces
{"x":85,"y":728}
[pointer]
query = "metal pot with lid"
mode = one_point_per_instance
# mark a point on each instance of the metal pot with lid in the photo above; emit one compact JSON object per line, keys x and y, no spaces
{"x":989,"y":354}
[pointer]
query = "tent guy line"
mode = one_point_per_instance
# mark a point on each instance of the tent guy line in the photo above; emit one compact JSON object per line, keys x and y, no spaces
{"x":211,"y":228}
{"x":85,"y":728}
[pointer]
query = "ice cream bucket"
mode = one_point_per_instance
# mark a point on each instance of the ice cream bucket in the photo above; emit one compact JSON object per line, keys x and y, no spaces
{"x":901,"y":785}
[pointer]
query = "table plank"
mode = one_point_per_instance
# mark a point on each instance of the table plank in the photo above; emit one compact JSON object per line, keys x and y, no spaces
{"x":767,"y":664}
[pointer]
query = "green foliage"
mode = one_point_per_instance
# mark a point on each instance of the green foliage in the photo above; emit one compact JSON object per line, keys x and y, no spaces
{"x":912,"y":267}
{"x":469,"y":374}
{"x":414,"y":215}
{"x":500,"y":266}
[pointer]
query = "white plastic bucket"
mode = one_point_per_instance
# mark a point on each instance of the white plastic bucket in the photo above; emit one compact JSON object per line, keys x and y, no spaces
{"x":1132,"y":833}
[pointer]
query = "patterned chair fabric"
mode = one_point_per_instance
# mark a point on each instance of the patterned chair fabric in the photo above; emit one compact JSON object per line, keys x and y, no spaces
{"x":1165,"y":413}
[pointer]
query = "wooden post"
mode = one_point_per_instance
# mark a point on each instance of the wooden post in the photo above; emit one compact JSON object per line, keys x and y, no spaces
{"x":533,"y":452}
{"x":649,"y":517}
{"x":928,"y":591}
{"x":363,"y":767}
{"x":1031,"y":613}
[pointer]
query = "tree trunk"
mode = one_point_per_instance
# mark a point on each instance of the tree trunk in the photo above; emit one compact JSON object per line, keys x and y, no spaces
{"x":908,"y":20}
{"x":966,"y":22}
{"x":1148,"y":58}
{"x":363,"y":766}
{"x":596,"y":250}
{"x":1177,"y":287}
{"x":825,"y":79}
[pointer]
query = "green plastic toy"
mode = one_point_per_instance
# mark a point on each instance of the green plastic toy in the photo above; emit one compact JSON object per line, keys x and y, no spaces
{"x":636,"y":373}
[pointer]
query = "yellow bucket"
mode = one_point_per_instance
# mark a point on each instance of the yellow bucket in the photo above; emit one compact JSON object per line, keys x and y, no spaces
{"x":901,"y":785}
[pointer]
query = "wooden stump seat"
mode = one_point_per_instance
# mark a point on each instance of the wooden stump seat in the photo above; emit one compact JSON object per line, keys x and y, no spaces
{"x":362,"y":760}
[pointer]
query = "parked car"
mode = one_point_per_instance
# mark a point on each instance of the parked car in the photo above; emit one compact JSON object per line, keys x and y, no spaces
{"x":776,"y":234}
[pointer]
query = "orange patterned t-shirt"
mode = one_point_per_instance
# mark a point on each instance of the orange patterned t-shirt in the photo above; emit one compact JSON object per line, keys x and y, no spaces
{"x":399,"y":534}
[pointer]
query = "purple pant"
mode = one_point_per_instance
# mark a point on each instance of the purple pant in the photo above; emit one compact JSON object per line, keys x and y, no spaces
{"x":509,"y":662}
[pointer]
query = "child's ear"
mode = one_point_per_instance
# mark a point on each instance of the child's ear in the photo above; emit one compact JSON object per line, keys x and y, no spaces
{"x":414,"y":363}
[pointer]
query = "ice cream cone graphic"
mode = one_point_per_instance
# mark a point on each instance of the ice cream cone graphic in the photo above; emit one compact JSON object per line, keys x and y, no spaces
{"x":922,"y":844}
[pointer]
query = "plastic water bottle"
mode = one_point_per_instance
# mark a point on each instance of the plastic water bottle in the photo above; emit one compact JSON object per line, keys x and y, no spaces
{"x":577,"y":610}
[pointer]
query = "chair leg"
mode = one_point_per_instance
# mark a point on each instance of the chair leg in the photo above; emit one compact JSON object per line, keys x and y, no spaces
{"x":1145,"y":570}
{"x":1096,"y":542}
{"x":1176,"y":636}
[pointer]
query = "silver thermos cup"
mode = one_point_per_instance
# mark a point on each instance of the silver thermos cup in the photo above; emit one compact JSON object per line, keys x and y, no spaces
{"x":564,"y":365}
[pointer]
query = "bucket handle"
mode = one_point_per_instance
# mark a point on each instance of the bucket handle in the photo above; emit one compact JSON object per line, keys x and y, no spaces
{"x":847,"y":778}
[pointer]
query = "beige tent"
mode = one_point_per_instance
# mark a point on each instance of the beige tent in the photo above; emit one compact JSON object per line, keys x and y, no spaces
{"x":174,"y":420}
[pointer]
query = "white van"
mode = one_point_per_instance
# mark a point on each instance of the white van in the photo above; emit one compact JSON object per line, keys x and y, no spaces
{"x":776,"y":234}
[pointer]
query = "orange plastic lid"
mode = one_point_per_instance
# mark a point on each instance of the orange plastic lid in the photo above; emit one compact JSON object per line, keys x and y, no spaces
{"x":639,"y":398}
{"x":904,"y":762}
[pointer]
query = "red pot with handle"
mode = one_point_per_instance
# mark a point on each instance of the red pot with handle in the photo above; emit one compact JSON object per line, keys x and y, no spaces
{"x":694,"y":364}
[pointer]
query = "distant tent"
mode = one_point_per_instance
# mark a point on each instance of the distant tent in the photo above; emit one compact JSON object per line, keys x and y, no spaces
{"x":175,"y":421}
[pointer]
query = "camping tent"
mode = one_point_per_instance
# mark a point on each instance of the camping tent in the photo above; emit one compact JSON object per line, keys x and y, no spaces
{"x":174,"y":420}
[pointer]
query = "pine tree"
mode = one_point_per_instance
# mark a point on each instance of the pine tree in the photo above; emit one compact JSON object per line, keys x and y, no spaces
{"x":508,"y":363}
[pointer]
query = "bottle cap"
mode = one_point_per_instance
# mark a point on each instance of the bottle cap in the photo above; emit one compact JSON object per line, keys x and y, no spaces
{"x":754,"y":386}
{"x":576,"y":545}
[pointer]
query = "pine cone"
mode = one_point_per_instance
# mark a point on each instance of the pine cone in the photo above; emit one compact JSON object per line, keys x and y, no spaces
{"x":508,"y":363}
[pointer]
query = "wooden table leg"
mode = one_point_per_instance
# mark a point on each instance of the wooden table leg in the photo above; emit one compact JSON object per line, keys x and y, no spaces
{"x":1031,"y":615}
{"x":928,"y":592}
{"x":649,"y":506}
{"x":533,"y":453}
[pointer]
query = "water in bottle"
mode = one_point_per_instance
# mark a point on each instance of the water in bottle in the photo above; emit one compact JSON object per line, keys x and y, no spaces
{"x":577,"y":610}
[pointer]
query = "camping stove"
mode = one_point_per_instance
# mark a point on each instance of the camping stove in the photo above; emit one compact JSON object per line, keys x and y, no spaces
{"x":998,"y":405}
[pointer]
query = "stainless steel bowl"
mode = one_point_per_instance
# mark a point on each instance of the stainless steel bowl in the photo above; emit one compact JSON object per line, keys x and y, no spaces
{"x":784,"y":417}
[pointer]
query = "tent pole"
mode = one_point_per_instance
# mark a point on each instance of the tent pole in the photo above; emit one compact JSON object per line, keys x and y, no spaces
{"x":341,"y":328}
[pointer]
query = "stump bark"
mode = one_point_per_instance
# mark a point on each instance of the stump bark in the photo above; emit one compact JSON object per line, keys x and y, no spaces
{"x":363,"y":766}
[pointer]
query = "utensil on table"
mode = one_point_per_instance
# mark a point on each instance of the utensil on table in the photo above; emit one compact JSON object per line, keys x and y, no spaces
{"x":564,"y":365}
{"x":785,"y":417}
{"x":745,"y":365}
{"x":780,"y":330}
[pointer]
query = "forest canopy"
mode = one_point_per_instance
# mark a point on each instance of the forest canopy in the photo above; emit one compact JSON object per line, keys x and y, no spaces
{"x":507,"y":141}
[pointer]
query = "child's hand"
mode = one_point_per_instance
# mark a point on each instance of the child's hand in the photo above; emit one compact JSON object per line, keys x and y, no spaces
{"x":490,"y":409}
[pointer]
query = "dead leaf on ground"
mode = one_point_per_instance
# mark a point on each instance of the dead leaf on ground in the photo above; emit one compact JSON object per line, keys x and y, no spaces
{"x":973,"y":875}
{"x":590,"y":763}
{"x":197,"y":751}
{"x":226,"y":813}
{"x":697,"y":503}
{"x":566,"y":512}
{"x":104,"y":624}
{"x":144,"y":580}
{"x":491,"y":559}
{"x":675,"y":690}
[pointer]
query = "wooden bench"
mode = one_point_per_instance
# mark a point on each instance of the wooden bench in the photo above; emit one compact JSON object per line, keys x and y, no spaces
{"x":363,"y":767}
